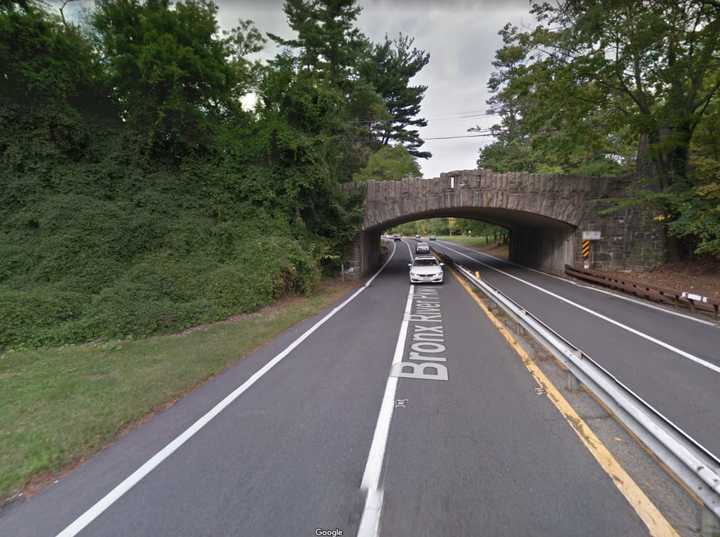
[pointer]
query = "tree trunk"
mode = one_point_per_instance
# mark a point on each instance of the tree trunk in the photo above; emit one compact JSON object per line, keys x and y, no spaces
{"x":644,"y":163}
{"x":671,"y":157}
{"x":677,"y":249}
{"x":671,"y":154}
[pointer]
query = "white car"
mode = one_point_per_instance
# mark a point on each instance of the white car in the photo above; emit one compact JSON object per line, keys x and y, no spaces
{"x":426,"y":269}
{"x":422,"y":248}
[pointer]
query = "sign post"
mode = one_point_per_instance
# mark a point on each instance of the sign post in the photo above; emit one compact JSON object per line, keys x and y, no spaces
{"x":587,"y":237}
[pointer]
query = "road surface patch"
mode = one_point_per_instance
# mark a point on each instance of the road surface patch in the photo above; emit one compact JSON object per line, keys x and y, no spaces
{"x":568,"y":281}
{"x":643,"y":335}
{"x":372,"y":475}
{"x":657,"y":524}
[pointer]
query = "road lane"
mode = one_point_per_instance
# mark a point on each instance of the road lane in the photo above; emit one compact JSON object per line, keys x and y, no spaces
{"x":287,"y":455}
{"x":699,"y":339}
{"x":686,"y":392}
{"x":482,"y":453}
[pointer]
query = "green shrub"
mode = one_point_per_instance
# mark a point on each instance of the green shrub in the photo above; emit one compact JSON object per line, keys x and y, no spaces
{"x":234,"y":287}
{"x":198,"y":271}
{"x":29,"y":316}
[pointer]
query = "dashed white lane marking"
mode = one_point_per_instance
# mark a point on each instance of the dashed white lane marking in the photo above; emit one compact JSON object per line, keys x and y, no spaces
{"x":638,"y":333}
{"x":591,"y":288}
{"x":370,"y":520}
{"x":412,"y":257}
{"x":133,"y":479}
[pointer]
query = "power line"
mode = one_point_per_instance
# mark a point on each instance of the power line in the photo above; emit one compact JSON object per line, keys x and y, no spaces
{"x":463,"y":136}
{"x":468,"y":112}
{"x":469,"y":115}
{"x":457,"y":115}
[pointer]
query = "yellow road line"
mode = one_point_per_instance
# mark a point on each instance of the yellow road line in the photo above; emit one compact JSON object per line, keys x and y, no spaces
{"x":656,"y":523}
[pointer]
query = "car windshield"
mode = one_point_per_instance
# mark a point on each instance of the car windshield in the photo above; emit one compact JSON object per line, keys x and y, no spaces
{"x":425,"y":262}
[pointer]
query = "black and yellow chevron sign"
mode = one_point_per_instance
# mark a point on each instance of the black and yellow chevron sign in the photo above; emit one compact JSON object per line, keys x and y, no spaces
{"x":586,"y":249}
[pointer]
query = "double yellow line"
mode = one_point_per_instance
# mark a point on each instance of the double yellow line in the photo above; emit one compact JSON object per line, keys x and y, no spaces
{"x":657,"y":524}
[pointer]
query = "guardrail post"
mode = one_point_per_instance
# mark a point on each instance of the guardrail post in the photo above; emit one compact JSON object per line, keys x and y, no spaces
{"x":709,"y":523}
{"x":572,"y":383}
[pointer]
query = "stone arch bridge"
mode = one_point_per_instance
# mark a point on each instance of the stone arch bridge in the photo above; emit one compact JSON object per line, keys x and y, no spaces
{"x":545,"y":214}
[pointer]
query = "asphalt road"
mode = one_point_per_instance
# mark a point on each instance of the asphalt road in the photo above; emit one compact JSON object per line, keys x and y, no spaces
{"x":672,"y":361}
{"x":469,"y":447}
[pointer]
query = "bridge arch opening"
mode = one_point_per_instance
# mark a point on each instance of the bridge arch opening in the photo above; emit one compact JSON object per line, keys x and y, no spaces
{"x":536,"y":240}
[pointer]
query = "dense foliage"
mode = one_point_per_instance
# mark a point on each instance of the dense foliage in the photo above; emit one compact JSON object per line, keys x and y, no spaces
{"x":389,"y":163}
{"x":603,"y":87}
{"x":136,"y":194}
{"x":452,"y":226}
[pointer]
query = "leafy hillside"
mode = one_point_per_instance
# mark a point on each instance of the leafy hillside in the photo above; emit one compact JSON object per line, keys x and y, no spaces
{"x":99,"y":248}
{"x":137,"y":196}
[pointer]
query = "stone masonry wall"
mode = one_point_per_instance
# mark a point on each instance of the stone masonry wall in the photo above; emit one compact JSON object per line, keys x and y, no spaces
{"x":546,"y":214}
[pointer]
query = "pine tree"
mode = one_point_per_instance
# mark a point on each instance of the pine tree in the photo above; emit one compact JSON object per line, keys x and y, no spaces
{"x":390,"y":67}
{"x":328,"y":40}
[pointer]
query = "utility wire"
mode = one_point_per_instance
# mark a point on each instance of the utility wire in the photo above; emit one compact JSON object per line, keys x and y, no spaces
{"x":463,"y":136}
{"x":461,"y":116}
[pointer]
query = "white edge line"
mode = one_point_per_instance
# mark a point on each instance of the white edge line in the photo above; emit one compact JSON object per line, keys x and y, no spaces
{"x":643,"y":335}
{"x":370,"y":519}
{"x":412,"y":258}
{"x":129,"y":482}
{"x":590,"y":287}
{"x":642,"y":303}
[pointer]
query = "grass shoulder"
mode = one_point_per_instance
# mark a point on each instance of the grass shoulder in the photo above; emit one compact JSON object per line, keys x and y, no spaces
{"x":482,"y":243}
{"x":62,"y":404}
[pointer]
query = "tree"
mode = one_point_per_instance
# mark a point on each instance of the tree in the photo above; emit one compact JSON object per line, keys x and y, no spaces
{"x":314,"y":83}
{"x":172,"y":72}
{"x":43,"y":62}
{"x":600,"y":83}
{"x":551,"y":121}
{"x":389,"y":163}
{"x":328,"y":40}
{"x":373,"y":103}
{"x":389,"y":67}
{"x":653,"y":63}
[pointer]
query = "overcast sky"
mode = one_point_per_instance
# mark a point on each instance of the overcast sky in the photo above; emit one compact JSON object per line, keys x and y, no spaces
{"x":461,"y":37}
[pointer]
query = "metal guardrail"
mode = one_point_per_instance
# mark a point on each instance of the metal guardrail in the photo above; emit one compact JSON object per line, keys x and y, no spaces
{"x":695,"y":466}
{"x":643,"y":290}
